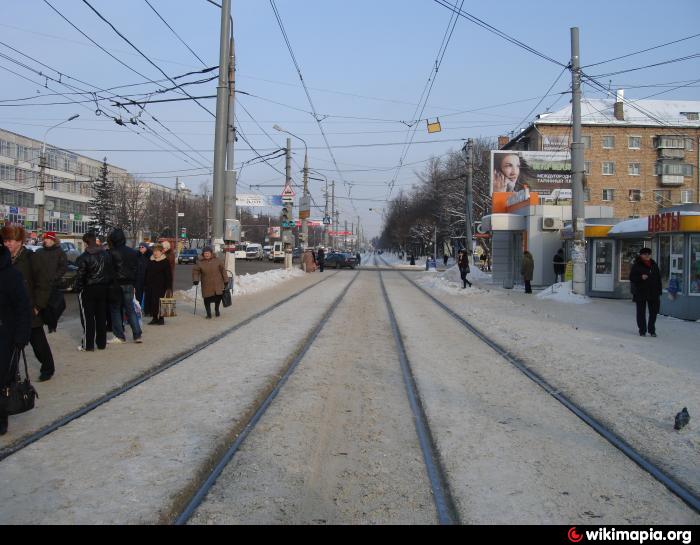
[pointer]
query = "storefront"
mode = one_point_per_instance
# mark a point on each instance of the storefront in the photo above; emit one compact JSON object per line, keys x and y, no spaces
{"x":674,"y":238}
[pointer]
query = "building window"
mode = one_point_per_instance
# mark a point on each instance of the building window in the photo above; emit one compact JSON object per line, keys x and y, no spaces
{"x":695,"y":265}
{"x":634,"y":142}
{"x":673,"y":169}
{"x":670,"y":142}
{"x":586,"y":194}
{"x":662,"y":197}
{"x":635,"y":195}
{"x":587,"y":167}
{"x":608,"y":142}
{"x":608,"y":168}
{"x":634,"y":169}
{"x":608,"y":194}
{"x":629,"y":250}
{"x":586,"y":142}
{"x":686,"y":196}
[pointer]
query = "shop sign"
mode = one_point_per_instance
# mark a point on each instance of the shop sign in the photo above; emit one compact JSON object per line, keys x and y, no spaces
{"x":664,"y":223}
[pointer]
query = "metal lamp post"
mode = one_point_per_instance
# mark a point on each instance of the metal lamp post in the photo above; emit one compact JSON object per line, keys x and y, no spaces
{"x":40,"y":195}
{"x":305,"y":193}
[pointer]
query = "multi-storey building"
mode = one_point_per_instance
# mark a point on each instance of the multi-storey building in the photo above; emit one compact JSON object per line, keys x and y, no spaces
{"x":640,"y":156}
{"x":68,"y":185}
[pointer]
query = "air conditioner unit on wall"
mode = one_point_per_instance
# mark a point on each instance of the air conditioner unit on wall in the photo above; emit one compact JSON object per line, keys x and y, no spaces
{"x":552,"y":224}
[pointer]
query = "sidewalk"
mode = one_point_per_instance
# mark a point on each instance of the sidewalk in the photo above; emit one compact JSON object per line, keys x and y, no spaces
{"x":592,"y":352}
{"x":82,"y":377}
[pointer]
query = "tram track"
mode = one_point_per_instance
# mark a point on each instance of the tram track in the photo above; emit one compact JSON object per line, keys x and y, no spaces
{"x":674,"y":486}
{"x":28,"y":440}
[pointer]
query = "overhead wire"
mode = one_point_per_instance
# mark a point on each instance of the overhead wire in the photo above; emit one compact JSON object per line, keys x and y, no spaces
{"x":641,"y":51}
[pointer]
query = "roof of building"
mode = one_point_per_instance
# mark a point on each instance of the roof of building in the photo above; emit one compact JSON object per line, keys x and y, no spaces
{"x":647,"y":113}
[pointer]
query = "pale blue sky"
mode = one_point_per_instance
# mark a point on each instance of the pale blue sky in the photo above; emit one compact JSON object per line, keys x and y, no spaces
{"x":383,"y":50}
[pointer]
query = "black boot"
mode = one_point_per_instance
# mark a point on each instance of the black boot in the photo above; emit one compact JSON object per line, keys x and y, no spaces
{"x":161,"y":321}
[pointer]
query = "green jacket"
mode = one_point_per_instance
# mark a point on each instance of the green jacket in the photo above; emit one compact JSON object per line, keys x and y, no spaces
{"x":527,"y":268}
{"x":36,"y":280}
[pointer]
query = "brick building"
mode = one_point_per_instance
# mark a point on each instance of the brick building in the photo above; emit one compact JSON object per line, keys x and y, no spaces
{"x":640,"y":156}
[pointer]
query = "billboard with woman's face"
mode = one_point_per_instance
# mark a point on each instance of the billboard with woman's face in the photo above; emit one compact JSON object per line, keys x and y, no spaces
{"x":540,"y":171}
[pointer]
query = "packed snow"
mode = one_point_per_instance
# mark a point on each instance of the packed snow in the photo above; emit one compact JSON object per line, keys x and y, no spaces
{"x":450,"y":281}
{"x":249,"y":283}
{"x":563,"y":293}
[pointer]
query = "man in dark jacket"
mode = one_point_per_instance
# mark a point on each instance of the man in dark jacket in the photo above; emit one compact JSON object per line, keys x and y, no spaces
{"x":144,"y":257}
{"x":38,"y":286}
{"x":559,"y":265}
{"x":463,"y":264}
{"x":52,"y":261}
{"x":527,"y":270}
{"x":15,"y":325}
{"x":321,"y":258}
{"x":645,"y":283}
{"x":94,"y":276}
{"x":125,"y":263}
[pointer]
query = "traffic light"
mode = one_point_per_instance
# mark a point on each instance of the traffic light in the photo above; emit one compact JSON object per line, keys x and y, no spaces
{"x":287,"y":222}
{"x":183,"y":232}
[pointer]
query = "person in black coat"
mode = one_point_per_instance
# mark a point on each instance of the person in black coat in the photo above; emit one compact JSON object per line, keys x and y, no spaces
{"x":15,"y":325}
{"x":645,"y":283}
{"x":95,"y":275}
{"x":463,"y":264}
{"x":321,"y":258}
{"x":559,"y":265}
{"x":125,"y":263}
{"x":158,"y":282}
{"x":143,"y":258}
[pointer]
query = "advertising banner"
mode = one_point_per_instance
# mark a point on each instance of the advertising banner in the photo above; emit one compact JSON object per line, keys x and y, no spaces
{"x":275,"y":232}
{"x":251,"y":201}
{"x":539,"y":171}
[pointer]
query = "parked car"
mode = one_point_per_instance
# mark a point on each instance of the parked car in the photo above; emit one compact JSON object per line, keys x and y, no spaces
{"x":339,"y":260}
{"x":266,"y":251}
{"x":254,"y":251}
{"x":189,"y":256}
{"x":296,"y":254}
{"x":70,"y":250}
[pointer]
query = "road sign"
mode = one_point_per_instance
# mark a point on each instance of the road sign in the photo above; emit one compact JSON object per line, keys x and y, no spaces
{"x":305,"y":207}
{"x":288,"y":191}
{"x":287,"y":200}
{"x":327,"y":220}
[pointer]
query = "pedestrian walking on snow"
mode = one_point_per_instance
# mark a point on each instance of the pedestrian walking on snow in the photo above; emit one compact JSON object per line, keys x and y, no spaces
{"x":37,"y":283}
{"x":158,"y":283}
{"x":210,"y":270}
{"x":308,"y":262}
{"x":463,"y":264}
{"x":527,"y":269}
{"x":445,"y":259}
{"x":559,"y":265}
{"x":645,"y":284}
{"x":125,"y":263}
{"x":15,"y":326}
{"x":321,"y":258}
{"x":95,"y":275}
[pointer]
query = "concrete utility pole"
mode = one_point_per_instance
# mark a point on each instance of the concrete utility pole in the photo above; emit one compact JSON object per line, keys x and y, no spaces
{"x":304,"y":220}
{"x":230,"y":192}
{"x":332,"y":210}
{"x":468,"y":219}
{"x":578,"y":212}
{"x":221,"y":131}
{"x":345,"y":234}
{"x":287,"y":233}
{"x":325,"y":215}
{"x":177,"y":215}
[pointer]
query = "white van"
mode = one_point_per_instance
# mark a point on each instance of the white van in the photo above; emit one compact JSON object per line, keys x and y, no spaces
{"x":277,"y":252}
{"x":254,"y":251}
{"x":239,"y":251}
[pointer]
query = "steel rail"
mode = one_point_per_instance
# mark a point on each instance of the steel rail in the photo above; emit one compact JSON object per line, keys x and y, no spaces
{"x":686,"y":495}
{"x":149,"y":374}
{"x":444,"y":502}
{"x":226,"y":458}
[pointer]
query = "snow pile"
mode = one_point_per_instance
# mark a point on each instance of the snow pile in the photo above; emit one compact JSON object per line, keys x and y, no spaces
{"x":249,"y":283}
{"x":562,"y":293}
{"x":451,"y":282}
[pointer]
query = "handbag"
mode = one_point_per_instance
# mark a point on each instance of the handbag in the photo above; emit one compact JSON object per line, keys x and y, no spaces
{"x":21,"y":394}
{"x":226,"y":296}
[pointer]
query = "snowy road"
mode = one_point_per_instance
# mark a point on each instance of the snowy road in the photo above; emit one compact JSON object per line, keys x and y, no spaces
{"x":338,"y":443}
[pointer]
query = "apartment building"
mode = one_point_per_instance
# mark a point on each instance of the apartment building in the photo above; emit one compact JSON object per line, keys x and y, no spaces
{"x":640,"y":156}
{"x":68,"y":185}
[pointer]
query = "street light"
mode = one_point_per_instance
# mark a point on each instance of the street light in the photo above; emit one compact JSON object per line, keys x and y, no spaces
{"x":304,"y":224}
{"x":40,"y":195}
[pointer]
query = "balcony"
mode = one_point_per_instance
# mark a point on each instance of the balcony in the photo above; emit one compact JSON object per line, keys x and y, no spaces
{"x":671,"y":180}
{"x":671,"y":153}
